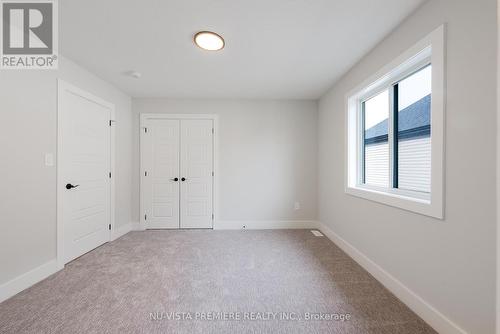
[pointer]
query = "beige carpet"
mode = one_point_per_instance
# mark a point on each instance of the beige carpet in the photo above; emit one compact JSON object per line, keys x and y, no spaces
{"x":211,"y":282}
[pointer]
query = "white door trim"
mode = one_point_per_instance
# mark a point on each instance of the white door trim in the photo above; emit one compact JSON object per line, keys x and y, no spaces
{"x":498,"y":176}
{"x":215,"y":119}
{"x":63,"y":86}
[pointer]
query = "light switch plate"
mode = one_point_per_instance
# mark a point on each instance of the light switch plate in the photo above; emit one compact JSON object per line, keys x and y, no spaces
{"x":49,"y":159}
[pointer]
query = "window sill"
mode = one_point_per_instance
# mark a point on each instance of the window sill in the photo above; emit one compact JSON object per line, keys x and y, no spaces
{"x":421,"y":204}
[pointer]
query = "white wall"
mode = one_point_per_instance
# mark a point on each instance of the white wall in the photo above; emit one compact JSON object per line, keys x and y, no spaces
{"x":267,"y":156}
{"x":28,"y":116}
{"x":449,"y":263}
{"x":498,"y":167}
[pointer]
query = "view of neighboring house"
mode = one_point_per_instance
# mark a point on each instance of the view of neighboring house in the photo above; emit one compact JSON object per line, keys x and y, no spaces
{"x":414,"y":149}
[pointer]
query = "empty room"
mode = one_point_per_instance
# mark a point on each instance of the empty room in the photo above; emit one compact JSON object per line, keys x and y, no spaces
{"x":229,"y":166}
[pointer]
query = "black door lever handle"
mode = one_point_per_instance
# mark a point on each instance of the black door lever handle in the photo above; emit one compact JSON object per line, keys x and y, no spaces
{"x":183,"y":179}
{"x":175,"y":179}
{"x":70,"y":186}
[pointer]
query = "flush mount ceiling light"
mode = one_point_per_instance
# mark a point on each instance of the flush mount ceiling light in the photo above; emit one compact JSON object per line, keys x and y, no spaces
{"x":208,"y":40}
{"x":133,"y":74}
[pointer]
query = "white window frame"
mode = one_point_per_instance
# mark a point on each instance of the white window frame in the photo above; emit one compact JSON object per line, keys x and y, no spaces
{"x":429,"y":50}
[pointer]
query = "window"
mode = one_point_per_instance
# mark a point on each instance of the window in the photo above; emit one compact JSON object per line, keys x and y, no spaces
{"x":395,"y":131}
{"x":413,"y":132}
{"x":375,"y":118}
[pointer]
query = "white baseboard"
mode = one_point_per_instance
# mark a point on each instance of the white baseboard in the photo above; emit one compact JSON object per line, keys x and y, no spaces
{"x":137,"y":226}
{"x":26,"y":280}
{"x":38,"y":274}
{"x":121,"y":231}
{"x":263,"y":224}
{"x":423,"y":309}
{"x":252,"y":224}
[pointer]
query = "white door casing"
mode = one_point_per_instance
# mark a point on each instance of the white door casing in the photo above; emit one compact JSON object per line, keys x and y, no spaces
{"x":85,"y":158}
{"x":196,"y":173}
{"x":160,"y":158}
{"x":195,"y":161}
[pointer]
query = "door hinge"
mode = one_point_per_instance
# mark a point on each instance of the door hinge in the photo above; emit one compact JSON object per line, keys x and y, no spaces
{"x":109,"y":226}
{"x":212,"y":216}
{"x":145,"y":217}
{"x":213,"y":130}
{"x":109,"y":174}
{"x":145,"y":173}
{"x":145,"y":130}
{"x":111,"y":122}
{"x":212,"y":173}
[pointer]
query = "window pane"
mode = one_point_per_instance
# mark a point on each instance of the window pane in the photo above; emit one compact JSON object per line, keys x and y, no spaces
{"x":414,"y":132}
{"x":376,"y":143}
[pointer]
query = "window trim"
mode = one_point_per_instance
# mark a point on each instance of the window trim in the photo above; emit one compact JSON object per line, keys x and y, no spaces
{"x":429,"y":50}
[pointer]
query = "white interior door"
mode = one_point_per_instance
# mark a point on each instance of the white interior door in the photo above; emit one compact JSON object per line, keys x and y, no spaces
{"x":197,"y":168}
{"x":84,"y":187}
{"x":160,"y":159}
{"x":177,"y":172}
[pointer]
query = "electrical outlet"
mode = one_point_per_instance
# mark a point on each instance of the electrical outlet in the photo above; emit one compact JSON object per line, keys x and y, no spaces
{"x":296,"y":206}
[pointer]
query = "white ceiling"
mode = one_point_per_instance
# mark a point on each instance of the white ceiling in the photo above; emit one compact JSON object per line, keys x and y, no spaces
{"x":274,"y":48}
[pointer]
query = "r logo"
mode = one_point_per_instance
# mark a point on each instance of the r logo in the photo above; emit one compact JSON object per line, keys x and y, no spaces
{"x":27,"y":28}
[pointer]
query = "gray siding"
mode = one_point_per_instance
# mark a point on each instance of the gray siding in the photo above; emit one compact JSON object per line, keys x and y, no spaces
{"x":415,"y":164}
{"x":377,"y":164}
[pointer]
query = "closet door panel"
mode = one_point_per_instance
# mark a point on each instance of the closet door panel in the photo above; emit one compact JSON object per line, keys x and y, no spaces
{"x":196,"y":161}
{"x":160,"y":154}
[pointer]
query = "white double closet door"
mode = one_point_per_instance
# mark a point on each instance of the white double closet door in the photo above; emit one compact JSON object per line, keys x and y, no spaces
{"x":177,"y":176}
